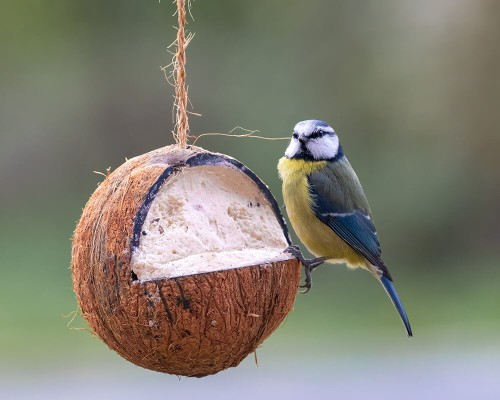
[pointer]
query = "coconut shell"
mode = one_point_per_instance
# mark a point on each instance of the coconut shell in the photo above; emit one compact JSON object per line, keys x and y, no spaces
{"x":193,"y":325}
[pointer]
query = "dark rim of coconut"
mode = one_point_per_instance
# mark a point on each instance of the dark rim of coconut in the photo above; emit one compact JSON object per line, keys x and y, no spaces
{"x":198,"y":160}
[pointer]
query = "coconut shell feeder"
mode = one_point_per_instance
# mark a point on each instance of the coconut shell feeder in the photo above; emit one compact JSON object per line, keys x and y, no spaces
{"x":177,"y":259}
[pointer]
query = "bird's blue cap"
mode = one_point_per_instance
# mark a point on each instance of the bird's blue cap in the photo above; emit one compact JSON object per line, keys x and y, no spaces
{"x":317,"y":122}
{"x":314,"y":122}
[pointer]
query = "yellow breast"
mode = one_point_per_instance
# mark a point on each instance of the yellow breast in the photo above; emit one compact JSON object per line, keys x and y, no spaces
{"x":316,"y":236}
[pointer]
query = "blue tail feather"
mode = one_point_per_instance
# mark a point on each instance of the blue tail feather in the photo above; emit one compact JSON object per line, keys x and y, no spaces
{"x":391,"y":291}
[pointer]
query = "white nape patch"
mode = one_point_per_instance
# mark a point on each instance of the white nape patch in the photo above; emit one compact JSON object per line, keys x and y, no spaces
{"x":293,"y":148}
{"x":323,"y":148}
{"x":204,"y":219}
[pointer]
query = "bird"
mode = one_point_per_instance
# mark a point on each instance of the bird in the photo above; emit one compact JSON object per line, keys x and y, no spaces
{"x":328,"y":208}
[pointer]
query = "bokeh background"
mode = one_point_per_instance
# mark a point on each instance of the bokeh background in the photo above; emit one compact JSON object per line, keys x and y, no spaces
{"x":412,"y":88}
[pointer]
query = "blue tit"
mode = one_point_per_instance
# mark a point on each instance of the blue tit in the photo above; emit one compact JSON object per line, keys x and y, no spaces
{"x":328,"y":208}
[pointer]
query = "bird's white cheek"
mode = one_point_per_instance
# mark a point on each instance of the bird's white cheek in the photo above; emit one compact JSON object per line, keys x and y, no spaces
{"x":325,"y":148}
{"x":293,"y":148}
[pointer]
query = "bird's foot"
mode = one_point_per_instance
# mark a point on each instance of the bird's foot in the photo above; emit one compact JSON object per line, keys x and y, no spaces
{"x":309,"y":265}
{"x":308,"y":283}
{"x":294,"y":250}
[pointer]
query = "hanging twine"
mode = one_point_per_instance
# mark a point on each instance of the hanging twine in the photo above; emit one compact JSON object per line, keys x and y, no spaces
{"x":175,"y":73}
{"x":181,"y":129}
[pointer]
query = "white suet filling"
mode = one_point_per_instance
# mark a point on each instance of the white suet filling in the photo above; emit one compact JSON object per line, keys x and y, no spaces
{"x":204,"y":219}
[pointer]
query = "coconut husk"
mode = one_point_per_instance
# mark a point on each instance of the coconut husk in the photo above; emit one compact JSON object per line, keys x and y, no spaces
{"x":193,"y":325}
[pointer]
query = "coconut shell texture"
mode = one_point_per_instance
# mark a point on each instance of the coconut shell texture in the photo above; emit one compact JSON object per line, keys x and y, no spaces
{"x":191,"y":325}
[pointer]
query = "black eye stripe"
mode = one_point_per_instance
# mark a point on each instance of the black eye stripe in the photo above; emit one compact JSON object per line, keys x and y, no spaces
{"x":317,"y":134}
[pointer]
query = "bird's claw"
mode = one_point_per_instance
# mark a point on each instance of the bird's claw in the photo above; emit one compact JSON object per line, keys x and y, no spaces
{"x":294,"y":250}
{"x":308,"y":282}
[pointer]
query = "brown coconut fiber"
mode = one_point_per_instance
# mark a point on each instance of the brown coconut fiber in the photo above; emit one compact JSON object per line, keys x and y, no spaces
{"x":193,"y":325}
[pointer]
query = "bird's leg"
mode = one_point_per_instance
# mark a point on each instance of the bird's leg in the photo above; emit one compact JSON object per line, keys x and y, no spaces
{"x":309,"y":265}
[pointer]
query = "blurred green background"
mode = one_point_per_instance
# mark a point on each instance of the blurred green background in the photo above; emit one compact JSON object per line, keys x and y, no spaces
{"x":412,"y":89}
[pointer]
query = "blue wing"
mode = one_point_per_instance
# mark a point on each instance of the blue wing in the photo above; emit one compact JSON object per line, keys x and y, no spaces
{"x":346,"y":212}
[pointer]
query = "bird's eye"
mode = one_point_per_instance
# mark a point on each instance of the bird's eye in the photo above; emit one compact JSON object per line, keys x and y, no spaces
{"x":316,"y":134}
{"x":295,"y":135}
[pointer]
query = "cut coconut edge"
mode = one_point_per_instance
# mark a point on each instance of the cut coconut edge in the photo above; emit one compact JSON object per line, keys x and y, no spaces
{"x":212,"y":215}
